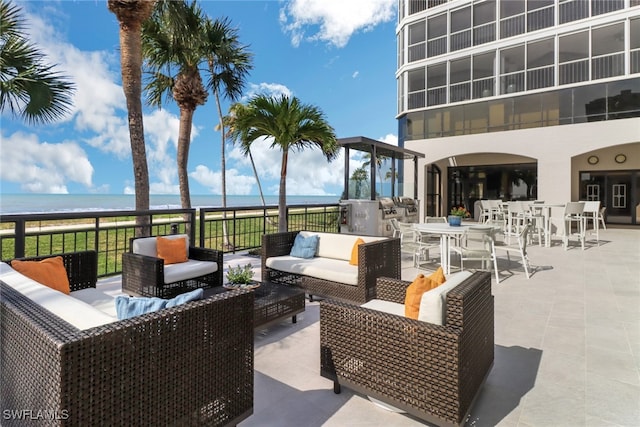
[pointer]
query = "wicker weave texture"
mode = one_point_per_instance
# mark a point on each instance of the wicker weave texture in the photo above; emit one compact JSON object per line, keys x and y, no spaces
{"x":144,"y":275}
{"x":186,"y":365}
{"x":376,"y":259}
{"x":433,"y":372}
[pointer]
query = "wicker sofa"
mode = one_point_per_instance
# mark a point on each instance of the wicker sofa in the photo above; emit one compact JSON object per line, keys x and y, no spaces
{"x":431,"y":371}
{"x":329,"y":273}
{"x":144,"y":274}
{"x":187,"y":365}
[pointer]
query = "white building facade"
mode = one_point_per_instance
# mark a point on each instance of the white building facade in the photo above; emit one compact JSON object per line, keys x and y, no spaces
{"x":521,"y":99}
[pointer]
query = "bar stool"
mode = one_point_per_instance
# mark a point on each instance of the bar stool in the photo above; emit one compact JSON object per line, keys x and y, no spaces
{"x":573,"y":213}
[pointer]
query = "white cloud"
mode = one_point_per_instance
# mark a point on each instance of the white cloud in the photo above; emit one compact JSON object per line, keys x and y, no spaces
{"x":308,"y":172}
{"x":338,"y":19}
{"x":42,"y":167}
{"x":237,"y":184}
{"x":268,"y":89}
{"x":355,"y":74}
{"x":390,"y":139}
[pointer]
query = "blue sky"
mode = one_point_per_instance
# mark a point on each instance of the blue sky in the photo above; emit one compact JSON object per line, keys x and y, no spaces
{"x":337,"y":55}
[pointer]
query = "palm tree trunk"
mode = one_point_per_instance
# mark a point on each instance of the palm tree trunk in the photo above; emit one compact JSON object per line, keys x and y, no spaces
{"x":184,"y":140}
{"x":223,"y":173}
{"x":283,"y":223}
{"x":131,"y":69}
{"x":255,"y":174}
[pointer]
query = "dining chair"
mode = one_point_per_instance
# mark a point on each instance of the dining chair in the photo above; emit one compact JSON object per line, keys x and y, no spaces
{"x":411,"y":243}
{"x":476,"y":244}
{"x":519,"y":246}
{"x":485,"y":213}
{"x":601,"y":216}
{"x":395,"y":227}
{"x":591,"y":213}
{"x":573,"y":214}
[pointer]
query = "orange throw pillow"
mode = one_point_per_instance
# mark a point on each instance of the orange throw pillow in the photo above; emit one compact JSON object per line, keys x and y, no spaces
{"x":419,"y":286}
{"x":354,"y":252}
{"x":49,"y":272}
{"x":172,"y":251}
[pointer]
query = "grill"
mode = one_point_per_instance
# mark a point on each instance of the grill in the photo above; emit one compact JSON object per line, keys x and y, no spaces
{"x":388,"y":208}
{"x":407,"y":208}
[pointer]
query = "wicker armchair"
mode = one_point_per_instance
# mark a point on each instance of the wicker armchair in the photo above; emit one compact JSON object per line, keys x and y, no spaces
{"x":187,"y":365}
{"x":144,"y":275}
{"x":432,"y":372}
{"x":376,"y":259}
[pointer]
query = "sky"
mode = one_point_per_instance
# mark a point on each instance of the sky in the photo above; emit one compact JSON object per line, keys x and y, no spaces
{"x":337,"y":55}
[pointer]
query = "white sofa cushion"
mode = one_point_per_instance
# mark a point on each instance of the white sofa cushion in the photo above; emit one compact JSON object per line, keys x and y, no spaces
{"x":385,"y":306}
{"x":97,"y":299}
{"x":335,"y":270}
{"x":77,"y":313}
{"x":188,"y":270}
{"x":148,"y":246}
{"x":336,"y":245}
{"x":433,"y":302}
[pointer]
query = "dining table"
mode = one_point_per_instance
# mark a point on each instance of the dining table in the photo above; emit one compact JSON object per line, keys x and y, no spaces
{"x":447,"y":233}
{"x":546,"y":213}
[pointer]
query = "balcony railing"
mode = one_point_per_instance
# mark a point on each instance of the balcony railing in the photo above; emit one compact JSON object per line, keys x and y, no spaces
{"x":109,"y":232}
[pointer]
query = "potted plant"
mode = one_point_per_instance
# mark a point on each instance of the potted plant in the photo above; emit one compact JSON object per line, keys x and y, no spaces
{"x":241,"y":276}
{"x":456,"y":215}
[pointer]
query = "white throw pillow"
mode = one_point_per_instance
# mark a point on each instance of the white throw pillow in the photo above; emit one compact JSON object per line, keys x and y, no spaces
{"x":433,"y":302}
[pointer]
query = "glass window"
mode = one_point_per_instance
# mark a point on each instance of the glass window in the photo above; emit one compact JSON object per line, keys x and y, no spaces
{"x":416,"y":80}
{"x":483,"y":13}
{"x":460,"y":70}
{"x":609,"y":39}
{"x":461,"y":19}
{"x":437,"y":75}
{"x":512,"y":59}
{"x":483,"y":65}
{"x":589,"y":103}
{"x":511,"y":7}
{"x":622,"y":102}
{"x":634,"y":31}
{"x":540,"y":54}
{"x":538,"y":4}
{"x":415,"y":125}
{"x":437,"y":26}
{"x":574,"y":46}
{"x":417,"y":32}
{"x":527,"y":111}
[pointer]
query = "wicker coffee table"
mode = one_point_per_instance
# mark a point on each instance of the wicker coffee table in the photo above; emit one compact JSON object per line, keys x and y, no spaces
{"x":272,"y":303}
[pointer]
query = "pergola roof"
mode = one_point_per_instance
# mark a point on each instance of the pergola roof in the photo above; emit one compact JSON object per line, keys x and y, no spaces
{"x":362,"y":143}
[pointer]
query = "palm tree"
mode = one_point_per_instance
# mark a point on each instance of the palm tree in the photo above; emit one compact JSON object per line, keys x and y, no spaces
{"x":29,"y":88}
{"x":359,"y":175}
{"x":379,"y":161}
{"x":293,"y":126}
{"x":229,"y":122}
{"x":131,"y":14}
{"x":228,"y":63}
{"x":172,"y":42}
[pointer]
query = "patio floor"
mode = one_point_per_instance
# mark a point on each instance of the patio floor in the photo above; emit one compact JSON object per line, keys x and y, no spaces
{"x":567,"y":348}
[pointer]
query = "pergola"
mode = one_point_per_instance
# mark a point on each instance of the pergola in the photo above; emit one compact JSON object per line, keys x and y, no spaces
{"x":378,"y":149}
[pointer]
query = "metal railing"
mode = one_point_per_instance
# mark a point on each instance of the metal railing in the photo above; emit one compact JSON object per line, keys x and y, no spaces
{"x":109,"y":232}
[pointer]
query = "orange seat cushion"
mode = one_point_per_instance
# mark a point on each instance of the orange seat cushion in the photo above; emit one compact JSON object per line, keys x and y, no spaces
{"x":172,"y":251}
{"x":50,"y":272}
{"x":419,"y":286}
{"x":354,"y":252}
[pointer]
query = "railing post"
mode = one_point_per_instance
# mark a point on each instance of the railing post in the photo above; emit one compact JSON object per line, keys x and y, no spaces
{"x":192,"y":222}
{"x":202,"y":227}
{"x":20,"y":233}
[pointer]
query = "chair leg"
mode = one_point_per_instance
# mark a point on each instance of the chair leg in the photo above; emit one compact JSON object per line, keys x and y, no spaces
{"x":495,"y":267}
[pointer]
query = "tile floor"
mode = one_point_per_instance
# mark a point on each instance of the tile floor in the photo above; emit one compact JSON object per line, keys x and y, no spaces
{"x":567,"y":348}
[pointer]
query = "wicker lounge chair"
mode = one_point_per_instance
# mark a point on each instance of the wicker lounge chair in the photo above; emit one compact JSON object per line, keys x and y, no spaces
{"x":187,"y":365}
{"x":430,"y":371}
{"x":145,"y":275}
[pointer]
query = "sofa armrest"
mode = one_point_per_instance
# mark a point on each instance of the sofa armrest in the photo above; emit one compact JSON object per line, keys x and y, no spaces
{"x":378,"y":259}
{"x":134,"y":369}
{"x":275,"y":244}
{"x":82,"y":268}
{"x":390,"y":289}
{"x":212,"y":255}
{"x":140,"y":271}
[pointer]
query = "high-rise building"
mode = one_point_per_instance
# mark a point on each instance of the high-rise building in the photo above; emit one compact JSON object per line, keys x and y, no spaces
{"x":521,"y":99}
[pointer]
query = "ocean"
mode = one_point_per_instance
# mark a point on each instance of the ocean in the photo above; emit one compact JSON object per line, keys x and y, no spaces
{"x":41,"y":203}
